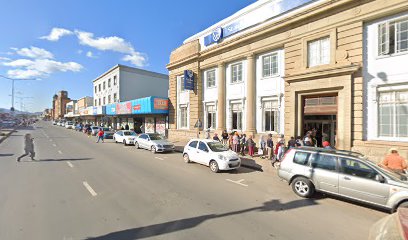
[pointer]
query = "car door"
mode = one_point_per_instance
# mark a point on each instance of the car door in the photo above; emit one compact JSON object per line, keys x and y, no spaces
{"x":358,"y":180}
{"x":324,"y":172}
{"x":119,"y":136}
{"x":192,"y":150}
{"x":142,"y":141}
{"x":202,"y":153}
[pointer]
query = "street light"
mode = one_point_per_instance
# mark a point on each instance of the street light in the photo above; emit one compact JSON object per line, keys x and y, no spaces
{"x":21,"y":101}
{"x":12,"y":87}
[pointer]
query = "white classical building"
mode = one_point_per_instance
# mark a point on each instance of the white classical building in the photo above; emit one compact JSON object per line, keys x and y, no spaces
{"x":123,"y":83}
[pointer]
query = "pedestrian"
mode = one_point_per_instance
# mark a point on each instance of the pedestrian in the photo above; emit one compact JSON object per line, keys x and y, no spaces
{"x":394,"y":162}
{"x":319,"y":138}
{"x":100,"y":135}
{"x":307,"y":141}
{"x":230,"y":141}
{"x":251,"y":146}
{"x":326,"y":145}
{"x":122,"y":128}
{"x":207,"y":133}
{"x":127,"y":126}
{"x":243,"y":144}
{"x":216,"y":138}
{"x":299,"y":141}
{"x":235,"y":142}
{"x":262,"y":146}
{"x":269,"y":146}
{"x":224,"y":136}
{"x":89,"y":131}
{"x":279,"y":150}
{"x":292,"y":143}
{"x":28,"y":147}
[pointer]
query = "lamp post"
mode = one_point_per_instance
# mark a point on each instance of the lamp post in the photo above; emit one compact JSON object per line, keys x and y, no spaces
{"x":12,"y":87}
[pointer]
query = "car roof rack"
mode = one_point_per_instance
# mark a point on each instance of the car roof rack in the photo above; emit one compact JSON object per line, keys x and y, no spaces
{"x":336,"y":151}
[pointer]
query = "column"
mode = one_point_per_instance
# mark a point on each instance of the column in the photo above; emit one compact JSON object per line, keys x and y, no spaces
{"x":221,"y":98}
{"x":251,"y":95}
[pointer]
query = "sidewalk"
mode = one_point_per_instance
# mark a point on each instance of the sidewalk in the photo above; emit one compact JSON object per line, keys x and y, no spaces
{"x":255,"y":163}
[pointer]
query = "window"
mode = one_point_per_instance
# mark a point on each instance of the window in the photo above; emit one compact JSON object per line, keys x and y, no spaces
{"x":99,"y":87}
{"x":109,"y":98}
{"x":183,"y":116}
{"x":193,"y":144}
{"x":210,"y":78}
{"x":143,"y":136}
{"x":104,"y":100}
{"x":270,"y":65}
{"x":104,"y":87}
{"x":393,"y":114}
{"x":115,"y":81}
{"x":99,"y":101}
{"x":301,"y":158}
{"x":356,"y":168}
{"x":96,"y":102}
{"x":326,"y":162}
{"x":211,"y":117}
{"x":236,"y":73}
{"x":203,"y":147}
{"x":270,"y":116}
{"x":393,"y":37}
{"x":236,"y":109}
{"x":96,"y":90}
{"x":318,"y":52}
{"x":182,"y":84}
{"x":109,"y":83}
{"x":115,"y":97}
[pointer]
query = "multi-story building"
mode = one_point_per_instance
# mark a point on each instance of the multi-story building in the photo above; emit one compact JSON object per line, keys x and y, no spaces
{"x":70,"y":109}
{"x":59,"y":104}
{"x":123,"y":83}
{"x":84,"y":102}
{"x":285,"y":67}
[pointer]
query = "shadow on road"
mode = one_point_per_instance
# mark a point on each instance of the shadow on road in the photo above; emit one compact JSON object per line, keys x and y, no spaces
{"x":187,"y":223}
{"x":6,"y":154}
{"x":61,"y":159}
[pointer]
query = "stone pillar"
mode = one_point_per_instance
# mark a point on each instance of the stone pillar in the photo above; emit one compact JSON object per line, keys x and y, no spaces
{"x":251,"y":95}
{"x":221,"y":98}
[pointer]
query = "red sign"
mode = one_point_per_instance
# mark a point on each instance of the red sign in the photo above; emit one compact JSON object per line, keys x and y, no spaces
{"x":137,"y":107}
{"x":124,"y":108}
{"x":161,"y":104}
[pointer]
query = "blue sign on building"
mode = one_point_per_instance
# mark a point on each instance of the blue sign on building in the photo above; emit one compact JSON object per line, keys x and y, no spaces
{"x":275,"y":8}
{"x":188,"y":80}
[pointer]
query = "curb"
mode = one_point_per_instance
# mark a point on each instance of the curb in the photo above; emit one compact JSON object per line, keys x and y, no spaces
{"x":242,"y":164}
{"x":7,"y":135}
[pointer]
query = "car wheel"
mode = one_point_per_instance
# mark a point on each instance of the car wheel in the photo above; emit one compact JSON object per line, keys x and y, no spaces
{"x":124,"y":142}
{"x":153,"y":149}
{"x":137,"y":145}
{"x":403,"y":204}
{"x":186,"y":158}
{"x":303,"y":187}
{"x":214,"y":166}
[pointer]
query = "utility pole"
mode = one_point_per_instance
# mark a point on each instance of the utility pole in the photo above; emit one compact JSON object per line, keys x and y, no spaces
{"x":12,"y":87}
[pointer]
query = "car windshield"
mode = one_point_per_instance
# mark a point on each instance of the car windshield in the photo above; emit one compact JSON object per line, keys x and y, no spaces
{"x":105,"y":129}
{"x":155,"y":137}
{"x":129,"y":133}
{"x":94,"y":127}
{"x":394,"y":176}
{"x":217,"y":147}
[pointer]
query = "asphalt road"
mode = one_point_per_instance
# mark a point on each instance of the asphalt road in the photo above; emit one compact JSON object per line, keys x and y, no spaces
{"x":78,"y":189}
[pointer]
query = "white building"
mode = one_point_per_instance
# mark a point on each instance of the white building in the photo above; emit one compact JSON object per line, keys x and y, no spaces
{"x":123,"y":83}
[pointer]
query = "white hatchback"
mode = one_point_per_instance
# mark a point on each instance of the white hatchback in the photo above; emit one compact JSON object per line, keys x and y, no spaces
{"x":125,"y":136}
{"x":211,"y":153}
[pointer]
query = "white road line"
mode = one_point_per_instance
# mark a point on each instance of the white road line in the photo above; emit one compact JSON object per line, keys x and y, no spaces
{"x":54,"y":144}
{"x":86,"y":185}
{"x":70,"y":164}
{"x":159,"y":158}
{"x":59,"y":151}
{"x":239,"y":182}
{"x":50,"y":140}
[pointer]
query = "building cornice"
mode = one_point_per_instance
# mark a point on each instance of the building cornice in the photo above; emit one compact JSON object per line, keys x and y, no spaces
{"x":322,"y":72}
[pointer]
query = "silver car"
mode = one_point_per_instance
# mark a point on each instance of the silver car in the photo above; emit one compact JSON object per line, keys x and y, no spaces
{"x":154,"y":142}
{"x":343,"y":173}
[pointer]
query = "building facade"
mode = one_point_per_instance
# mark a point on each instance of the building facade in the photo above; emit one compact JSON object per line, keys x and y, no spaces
{"x":123,"y":83}
{"x":59,"y":104}
{"x":285,"y":67}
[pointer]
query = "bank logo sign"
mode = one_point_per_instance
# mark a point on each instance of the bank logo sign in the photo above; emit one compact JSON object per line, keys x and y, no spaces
{"x":217,"y":34}
{"x":188,"y":80}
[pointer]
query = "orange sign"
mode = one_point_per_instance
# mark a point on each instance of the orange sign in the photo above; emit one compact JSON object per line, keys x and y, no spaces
{"x":161,"y":104}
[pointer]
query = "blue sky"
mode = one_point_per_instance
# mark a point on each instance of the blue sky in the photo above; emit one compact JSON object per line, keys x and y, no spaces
{"x":67,"y":44}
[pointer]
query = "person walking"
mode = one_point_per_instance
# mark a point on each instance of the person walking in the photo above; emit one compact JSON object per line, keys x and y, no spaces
{"x":207,"y":133}
{"x":28,"y":147}
{"x":251,"y":146}
{"x":262,"y":146}
{"x":216,"y":138}
{"x":242,"y":144}
{"x":307,"y":141}
{"x":326,"y":145}
{"x":89,"y":131}
{"x":235,"y":142}
{"x":224,"y":136}
{"x":127,"y":126}
{"x":299,"y":141}
{"x":394,"y":162}
{"x":292,"y":143}
{"x":269,"y":146}
{"x":100,"y":135}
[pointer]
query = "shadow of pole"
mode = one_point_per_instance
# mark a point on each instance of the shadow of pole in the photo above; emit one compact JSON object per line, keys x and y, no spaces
{"x":188,"y":223}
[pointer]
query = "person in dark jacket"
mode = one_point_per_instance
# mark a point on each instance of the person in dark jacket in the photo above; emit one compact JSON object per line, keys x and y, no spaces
{"x":216,"y":138}
{"x":269,"y":146}
{"x":224,"y":137}
{"x":292,"y":143}
{"x":28,"y":147}
{"x":251,"y":146}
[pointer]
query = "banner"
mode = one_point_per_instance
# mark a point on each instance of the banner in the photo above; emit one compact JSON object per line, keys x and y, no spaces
{"x":124,"y":108}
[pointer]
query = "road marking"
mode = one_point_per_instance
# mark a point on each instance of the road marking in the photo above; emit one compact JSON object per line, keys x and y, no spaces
{"x":70,"y":164}
{"x":59,"y":151}
{"x":54,"y":144}
{"x":159,"y":158}
{"x":50,"y":140}
{"x":239,"y":182}
{"x":86,"y":185}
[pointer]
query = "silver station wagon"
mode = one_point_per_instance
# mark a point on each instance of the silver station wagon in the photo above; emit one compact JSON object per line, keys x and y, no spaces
{"x":343,"y":173}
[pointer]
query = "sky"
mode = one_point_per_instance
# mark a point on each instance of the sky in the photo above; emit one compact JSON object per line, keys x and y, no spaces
{"x":66,"y":44}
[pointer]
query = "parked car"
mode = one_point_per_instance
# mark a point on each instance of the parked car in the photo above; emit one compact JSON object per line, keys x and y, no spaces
{"x":345,"y":174}
{"x":95,"y":130}
{"x":54,"y":122}
{"x":211,"y":153}
{"x":125,"y":136}
{"x":69,"y":125}
{"x":78,"y":127}
{"x":154,"y":142}
{"x":107,"y":132}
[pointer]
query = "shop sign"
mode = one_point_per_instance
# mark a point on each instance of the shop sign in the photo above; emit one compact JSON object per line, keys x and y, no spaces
{"x":137,"y":107}
{"x":124,"y":108}
{"x":188,"y":80}
{"x":161,"y":104}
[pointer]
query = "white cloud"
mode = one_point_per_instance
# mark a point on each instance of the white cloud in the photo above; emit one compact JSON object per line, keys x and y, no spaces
{"x":79,"y":51}
{"x":90,"y":54}
{"x":34,"y":52}
{"x":4,"y":59}
{"x":56,"y":34}
{"x":39,"y":68}
{"x":136,"y":59}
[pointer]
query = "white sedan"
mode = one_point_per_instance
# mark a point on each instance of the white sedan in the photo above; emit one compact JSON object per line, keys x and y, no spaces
{"x":211,"y":153}
{"x":125,"y":136}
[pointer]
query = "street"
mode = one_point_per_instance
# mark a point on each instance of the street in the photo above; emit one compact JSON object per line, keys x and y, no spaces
{"x":78,"y":189}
